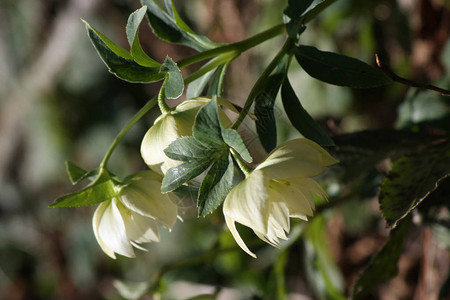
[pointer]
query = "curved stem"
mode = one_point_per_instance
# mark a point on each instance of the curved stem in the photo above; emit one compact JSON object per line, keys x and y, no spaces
{"x":287,"y":47}
{"x":149,"y":105}
{"x":163,"y":107}
{"x":238,"y":46}
{"x":242,"y":165}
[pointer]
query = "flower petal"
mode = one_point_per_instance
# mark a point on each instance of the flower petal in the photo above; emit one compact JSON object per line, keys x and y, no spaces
{"x":98,"y":214}
{"x":139,"y":228}
{"x":293,"y":196}
{"x":237,"y":237}
{"x":248,"y":202}
{"x":111,"y":230}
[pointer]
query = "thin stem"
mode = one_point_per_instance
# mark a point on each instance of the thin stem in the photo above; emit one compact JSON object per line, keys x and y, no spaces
{"x":242,"y":165}
{"x":238,"y":46}
{"x":149,"y":105}
{"x":408,"y":82}
{"x":287,"y":47}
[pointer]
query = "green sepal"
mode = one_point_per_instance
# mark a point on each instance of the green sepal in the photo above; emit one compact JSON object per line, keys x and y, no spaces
{"x":383,"y":265}
{"x":300,"y":118}
{"x":99,"y":190}
{"x":174,"y":83}
{"x":412,"y":178}
{"x":170,"y":27}
{"x":338,"y":69}
{"x":119,"y":61}
{"x":132,"y":30}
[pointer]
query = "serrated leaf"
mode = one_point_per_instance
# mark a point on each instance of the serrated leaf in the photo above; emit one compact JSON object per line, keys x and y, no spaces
{"x":119,"y":61}
{"x":187,"y":148}
{"x":207,"y":128}
{"x":216,"y":185}
{"x":292,"y":16}
{"x":300,"y":118}
{"x":167,"y":28}
{"x":383,"y":265}
{"x":338,"y":69}
{"x":196,"y":87}
{"x":174,"y":84}
{"x":232,"y":138}
{"x":411,"y":180}
{"x":132,"y":30}
{"x":99,"y":190}
{"x":215,"y":88}
{"x":264,"y":103}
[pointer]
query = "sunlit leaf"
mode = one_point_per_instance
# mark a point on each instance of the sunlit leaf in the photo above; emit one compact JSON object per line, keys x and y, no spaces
{"x":119,"y":61}
{"x":338,"y":69}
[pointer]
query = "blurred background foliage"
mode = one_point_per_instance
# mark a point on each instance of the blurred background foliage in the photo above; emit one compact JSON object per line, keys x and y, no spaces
{"x":58,"y":102}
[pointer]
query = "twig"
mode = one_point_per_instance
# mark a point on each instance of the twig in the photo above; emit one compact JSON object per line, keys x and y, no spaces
{"x":407,"y":82}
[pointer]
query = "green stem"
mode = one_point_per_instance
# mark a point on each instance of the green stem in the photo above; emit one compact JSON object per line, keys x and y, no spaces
{"x":163,"y":107}
{"x":234,"y":47}
{"x":149,"y":105}
{"x":222,"y":59}
{"x":287,"y":47}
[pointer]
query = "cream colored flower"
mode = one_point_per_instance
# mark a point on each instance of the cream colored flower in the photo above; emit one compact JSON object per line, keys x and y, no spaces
{"x":279,"y":188}
{"x":133,"y":216}
{"x":170,"y":126}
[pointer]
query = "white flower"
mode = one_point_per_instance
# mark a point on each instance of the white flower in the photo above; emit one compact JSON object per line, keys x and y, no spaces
{"x":279,"y":188}
{"x":170,"y":126}
{"x":133,"y":216}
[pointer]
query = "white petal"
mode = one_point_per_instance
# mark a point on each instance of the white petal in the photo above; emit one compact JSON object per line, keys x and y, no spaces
{"x":293,"y":196}
{"x":248,"y":202}
{"x":296,"y":158}
{"x":111,"y":229}
{"x":139,"y":228}
{"x":158,"y":137}
{"x":145,"y":197}
{"x":237,"y":237}
{"x":98,"y":214}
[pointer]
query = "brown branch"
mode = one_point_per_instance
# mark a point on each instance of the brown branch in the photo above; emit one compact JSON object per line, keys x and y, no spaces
{"x":407,"y":82}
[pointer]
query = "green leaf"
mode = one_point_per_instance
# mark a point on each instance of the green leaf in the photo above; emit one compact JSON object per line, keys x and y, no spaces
{"x":411,"y":180}
{"x":132,"y":30}
{"x":292,"y":16}
{"x":383,"y":265}
{"x":196,"y":87}
{"x":264,"y":103}
{"x":216,"y":185}
{"x":174,"y":84}
{"x":323,"y":275}
{"x":300,"y":118}
{"x":207,"y":128}
{"x":215,"y":88}
{"x":76,"y":174}
{"x":338,"y":69}
{"x":119,"y":61}
{"x":99,"y":190}
{"x":232,"y":138}
{"x":187,"y":148}
{"x":177,"y":176}
{"x":171,"y":28}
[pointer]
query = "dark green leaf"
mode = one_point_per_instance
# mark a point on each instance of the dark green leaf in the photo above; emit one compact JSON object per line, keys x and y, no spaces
{"x":207,"y":128}
{"x":292,"y":16}
{"x":383,"y":265}
{"x":216,"y":185}
{"x":174,"y":84}
{"x":187,"y":148}
{"x":196,"y":87}
{"x":232,"y":138}
{"x":169,"y":27}
{"x":132,"y":30}
{"x":338,"y":69}
{"x":412,"y":179}
{"x":76,"y":174}
{"x":177,"y":176}
{"x":215,"y":88}
{"x":264,"y":103}
{"x":119,"y":61}
{"x":99,"y":190}
{"x":300,"y":118}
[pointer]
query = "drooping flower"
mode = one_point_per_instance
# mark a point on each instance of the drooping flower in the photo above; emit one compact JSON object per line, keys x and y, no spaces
{"x":133,"y":216}
{"x":279,"y":188}
{"x":170,"y":126}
